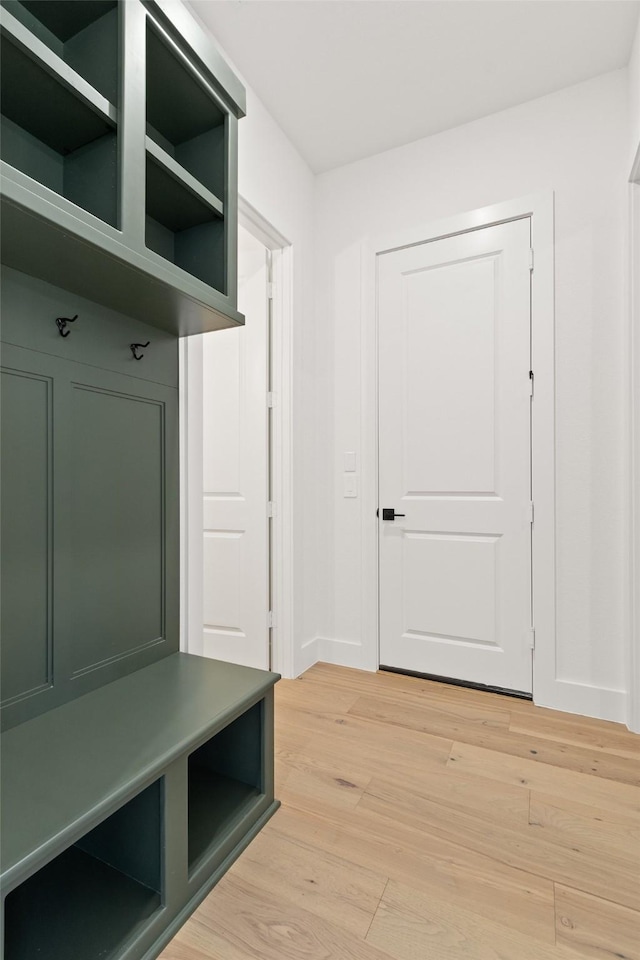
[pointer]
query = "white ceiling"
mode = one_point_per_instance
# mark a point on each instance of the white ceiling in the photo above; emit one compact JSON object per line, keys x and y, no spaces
{"x":346,"y":79}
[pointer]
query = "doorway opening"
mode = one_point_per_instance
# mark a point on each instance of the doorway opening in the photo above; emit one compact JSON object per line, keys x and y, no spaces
{"x":548,"y":689}
{"x":235,"y":386}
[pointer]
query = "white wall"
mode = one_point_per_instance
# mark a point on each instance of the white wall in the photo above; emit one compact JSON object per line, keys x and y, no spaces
{"x":634,"y":353}
{"x":633,"y":78}
{"x":578,"y":143}
{"x":277,"y":182}
{"x":575,"y":143}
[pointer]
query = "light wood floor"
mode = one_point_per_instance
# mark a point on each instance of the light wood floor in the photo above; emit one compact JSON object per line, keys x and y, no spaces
{"x":427,"y":822}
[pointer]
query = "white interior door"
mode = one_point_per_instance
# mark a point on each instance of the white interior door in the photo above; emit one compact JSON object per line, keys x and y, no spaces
{"x":454,"y":449}
{"x":235,"y":587}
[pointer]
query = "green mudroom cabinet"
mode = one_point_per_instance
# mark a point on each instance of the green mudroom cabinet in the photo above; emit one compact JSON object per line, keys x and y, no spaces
{"x":132,"y":774}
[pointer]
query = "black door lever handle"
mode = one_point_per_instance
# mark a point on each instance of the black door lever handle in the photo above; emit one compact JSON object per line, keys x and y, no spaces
{"x":388,"y":513}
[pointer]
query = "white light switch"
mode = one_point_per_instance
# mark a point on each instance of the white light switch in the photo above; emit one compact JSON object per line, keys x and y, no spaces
{"x":350,"y":485}
{"x":350,"y":461}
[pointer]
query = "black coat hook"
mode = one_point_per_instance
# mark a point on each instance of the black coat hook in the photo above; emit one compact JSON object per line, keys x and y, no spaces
{"x":135,"y":347}
{"x":61,"y":323}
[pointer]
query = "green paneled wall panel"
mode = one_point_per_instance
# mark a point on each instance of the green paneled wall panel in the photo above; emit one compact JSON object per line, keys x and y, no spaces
{"x":117,"y":524}
{"x":26,"y":492}
{"x":90,"y":501}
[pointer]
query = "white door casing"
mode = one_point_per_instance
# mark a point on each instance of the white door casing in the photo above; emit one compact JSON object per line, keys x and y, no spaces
{"x":235,"y":549}
{"x":455,"y":456}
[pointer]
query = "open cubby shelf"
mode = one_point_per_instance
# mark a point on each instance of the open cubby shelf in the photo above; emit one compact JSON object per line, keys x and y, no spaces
{"x":183,"y":117}
{"x":215,"y":803}
{"x":225,"y":779}
{"x":76,"y":906}
{"x":97,"y":894}
{"x":156,"y":154}
{"x":182,"y":227}
{"x":69,"y":147}
{"x":83,"y":33}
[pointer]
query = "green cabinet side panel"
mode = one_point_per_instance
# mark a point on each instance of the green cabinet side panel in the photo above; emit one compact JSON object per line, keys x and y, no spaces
{"x":63,"y":19}
{"x":91,"y":178}
{"x":236,"y":752}
{"x":24,"y":151}
{"x":93,"y":50}
{"x":26,"y":529}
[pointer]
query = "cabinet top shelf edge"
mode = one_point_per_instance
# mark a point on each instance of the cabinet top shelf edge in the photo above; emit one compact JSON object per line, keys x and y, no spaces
{"x":182,"y":24}
{"x":40,"y":53}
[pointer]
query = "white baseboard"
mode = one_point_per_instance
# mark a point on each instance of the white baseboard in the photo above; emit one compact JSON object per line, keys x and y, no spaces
{"x":342,"y":653}
{"x":564,"y":695}
{"x":584,"y":699}
{"x":346,"y":653}
{"x":306,"y":656}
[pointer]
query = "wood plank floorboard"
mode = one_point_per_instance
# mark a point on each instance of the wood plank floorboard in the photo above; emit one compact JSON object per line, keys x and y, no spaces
{"x":422,"y":821}
{"x":598,"y":928}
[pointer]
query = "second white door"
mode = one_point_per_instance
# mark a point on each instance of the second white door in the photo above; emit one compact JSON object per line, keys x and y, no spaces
{"x":235,"y":366}
{"x":454,"y":448}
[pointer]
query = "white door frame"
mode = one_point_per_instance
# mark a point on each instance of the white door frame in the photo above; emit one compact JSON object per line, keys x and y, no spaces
{"x":540,"y":208}
{"x":633,"y":659}
{"x":280,"y":458}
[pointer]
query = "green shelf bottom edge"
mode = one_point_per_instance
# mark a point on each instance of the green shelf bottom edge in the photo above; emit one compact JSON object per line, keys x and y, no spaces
{"x":42,"y":238}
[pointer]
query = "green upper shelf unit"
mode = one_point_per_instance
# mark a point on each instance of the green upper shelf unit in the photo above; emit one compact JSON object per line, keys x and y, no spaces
{"x":119,"y":158}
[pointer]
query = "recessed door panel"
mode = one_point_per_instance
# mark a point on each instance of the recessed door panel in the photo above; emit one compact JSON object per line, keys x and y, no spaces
{"x":449,"y":314}
{"x":222,"y":556}
{"x":221,"y":454}
{"x":435,"y":564}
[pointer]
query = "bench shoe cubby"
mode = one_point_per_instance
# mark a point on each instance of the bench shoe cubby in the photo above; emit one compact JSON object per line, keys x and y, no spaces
{"x":122,"y":808}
